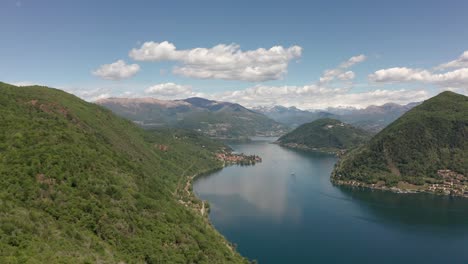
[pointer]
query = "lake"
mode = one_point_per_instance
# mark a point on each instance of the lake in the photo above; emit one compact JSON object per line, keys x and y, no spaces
{"x":285,"y":210}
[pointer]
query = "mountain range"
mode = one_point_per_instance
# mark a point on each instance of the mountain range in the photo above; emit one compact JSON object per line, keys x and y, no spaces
{"x":216,"y":119}
{"x":227,"y":120}
{"x":372,"y":118}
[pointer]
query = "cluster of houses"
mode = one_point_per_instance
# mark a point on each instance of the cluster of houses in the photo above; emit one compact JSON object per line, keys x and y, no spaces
{"x":240,"y":159}
{"x":455,"y":184}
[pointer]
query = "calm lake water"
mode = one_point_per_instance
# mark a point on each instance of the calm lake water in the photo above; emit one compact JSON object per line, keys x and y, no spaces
{"x":285,"y":210}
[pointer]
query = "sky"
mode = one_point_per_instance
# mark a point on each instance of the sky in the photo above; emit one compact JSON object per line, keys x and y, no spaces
{"x":308,"y":54}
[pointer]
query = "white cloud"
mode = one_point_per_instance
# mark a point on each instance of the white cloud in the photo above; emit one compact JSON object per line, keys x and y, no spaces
{"x":400,"y":74}
{"x":314,"y":97}
{"x":379,"y":97}
{"x":227,"y":62}
{"x":454,"y":78}
{"x":170,"y":91}
{"x":457,"y":77}
{"x":340,"y":72}
{"x":153,"y":51}
{"x":346,"y":76}
{"x":279,"y":95}
{"x":460,"y":62}
{"x":353,"y":60}
{"x":117,"y":70}
{"x":331,"y":90}
{"x":91,"y":94}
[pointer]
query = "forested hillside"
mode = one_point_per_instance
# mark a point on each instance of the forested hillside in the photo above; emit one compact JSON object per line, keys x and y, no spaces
{"x":80,"y":185}
{"x":418,"y":148}
{"x":325,"y":134}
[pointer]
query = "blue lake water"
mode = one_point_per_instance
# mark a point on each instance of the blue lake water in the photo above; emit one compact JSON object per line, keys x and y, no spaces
{"x":285,"y":210}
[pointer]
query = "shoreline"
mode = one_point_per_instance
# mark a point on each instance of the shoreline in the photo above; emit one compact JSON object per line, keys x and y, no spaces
{"x":434,"y":189}
{"x":190,"y":200}
{"x":336,"y":152}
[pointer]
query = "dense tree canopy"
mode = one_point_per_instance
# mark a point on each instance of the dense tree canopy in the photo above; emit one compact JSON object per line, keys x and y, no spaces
{"x":430,"y":137}
{"x":79,"y":184}
{"x":326,"y":134}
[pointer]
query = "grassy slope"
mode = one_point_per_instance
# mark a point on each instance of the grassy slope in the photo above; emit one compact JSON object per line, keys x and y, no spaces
{"x":81,"y":185}
{"x":431,"y":136}
{"x":317,"y":135}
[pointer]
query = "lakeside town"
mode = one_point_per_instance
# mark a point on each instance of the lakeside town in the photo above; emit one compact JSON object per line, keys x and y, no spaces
{"x":452,"y":184}
{"x":230,"y":158}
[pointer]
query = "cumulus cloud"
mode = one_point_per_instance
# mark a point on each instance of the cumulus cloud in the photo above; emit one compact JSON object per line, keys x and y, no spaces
{"x":90,"y":94}
{"x":170,"y":91}
{"x":333,"y":89}
{"x":117,"y":70}
{"x":353,"y":60}
{"x":460,"y":62}
{"x":400,"y":74}
{"x":154,"y":51}
{"x":378,"y":97}
{"x":340,"y":72}
{"x":300,"y":96}
{"x":314,"y":97}
{"x":227,"y":62}
{"x":456,"y":77}
{"x":346,"y":76}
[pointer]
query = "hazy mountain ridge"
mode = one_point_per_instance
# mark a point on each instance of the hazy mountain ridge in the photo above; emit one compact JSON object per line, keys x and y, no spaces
{"x":214,"y":118}
{"x":372,"y":118}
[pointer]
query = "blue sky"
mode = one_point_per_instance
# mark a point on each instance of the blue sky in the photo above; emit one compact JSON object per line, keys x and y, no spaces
{"x":61,"y":43}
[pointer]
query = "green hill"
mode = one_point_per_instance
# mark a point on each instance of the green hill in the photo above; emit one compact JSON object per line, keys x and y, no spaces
{"x":216,"y":119}
{"x":326,"y":135}
{"x":80,"y":185}
{"x":431,"y":137}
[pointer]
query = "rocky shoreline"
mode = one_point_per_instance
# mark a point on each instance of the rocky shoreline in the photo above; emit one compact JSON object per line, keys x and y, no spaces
{"x":452,"y":184}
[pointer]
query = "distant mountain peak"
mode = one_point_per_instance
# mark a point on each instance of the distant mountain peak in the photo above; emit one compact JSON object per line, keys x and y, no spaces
{"x":143,"y":100}
{"x":199,"y":101}
{"x":214,"y":118}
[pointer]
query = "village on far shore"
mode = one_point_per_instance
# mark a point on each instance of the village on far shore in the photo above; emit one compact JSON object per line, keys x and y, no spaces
{"x":230,"y":158}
